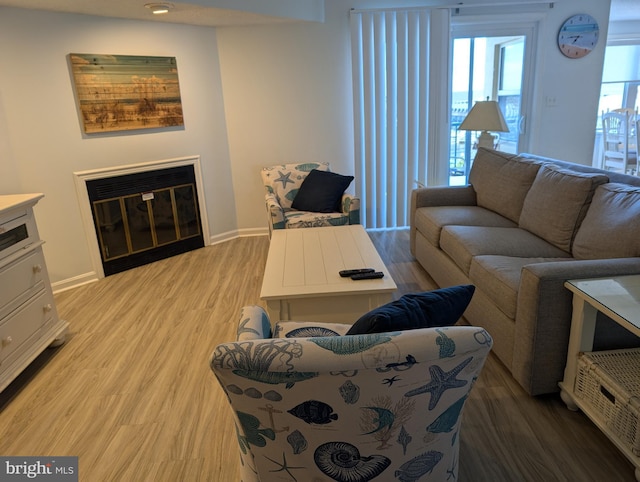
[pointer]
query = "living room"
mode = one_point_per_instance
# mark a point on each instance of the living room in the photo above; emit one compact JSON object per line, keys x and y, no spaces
{"x":252,"y":95}
{"x":260,"y":82}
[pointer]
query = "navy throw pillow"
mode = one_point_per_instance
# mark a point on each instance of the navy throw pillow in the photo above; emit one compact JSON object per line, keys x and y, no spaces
{"x":321,"y":192}
{"x":441,"y":307}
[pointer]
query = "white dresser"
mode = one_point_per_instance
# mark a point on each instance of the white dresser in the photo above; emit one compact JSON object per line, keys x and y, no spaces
{"x":29,"y":321}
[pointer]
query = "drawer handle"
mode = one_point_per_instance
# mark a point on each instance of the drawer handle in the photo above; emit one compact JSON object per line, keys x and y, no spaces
{"x":7,"y":341}
{"x":37,"y":268}
{"x":47,"y":308}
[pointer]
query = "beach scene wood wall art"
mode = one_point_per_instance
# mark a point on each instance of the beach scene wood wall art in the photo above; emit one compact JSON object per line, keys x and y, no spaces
{"x":125,"y":92}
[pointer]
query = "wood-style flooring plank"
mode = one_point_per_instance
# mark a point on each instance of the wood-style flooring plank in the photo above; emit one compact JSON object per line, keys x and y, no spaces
{"x":132,"y":395}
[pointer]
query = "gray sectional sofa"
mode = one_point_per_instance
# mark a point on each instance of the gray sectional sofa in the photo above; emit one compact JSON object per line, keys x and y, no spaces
{"x":522,"y":227}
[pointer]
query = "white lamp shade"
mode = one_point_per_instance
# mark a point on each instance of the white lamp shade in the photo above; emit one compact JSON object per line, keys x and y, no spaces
{"x":485,"y":116}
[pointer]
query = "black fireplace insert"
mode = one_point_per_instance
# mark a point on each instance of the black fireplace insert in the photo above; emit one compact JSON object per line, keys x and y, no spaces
{"x":145,"y":216}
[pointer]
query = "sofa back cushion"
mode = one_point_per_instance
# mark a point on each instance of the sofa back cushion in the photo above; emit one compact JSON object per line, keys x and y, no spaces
{"x":501,"y":181}
{"x":611,"y":227}
{"x":557,"y":203}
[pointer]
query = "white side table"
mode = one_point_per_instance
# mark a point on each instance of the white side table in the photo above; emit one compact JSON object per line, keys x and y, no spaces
{"x":619,"y":299}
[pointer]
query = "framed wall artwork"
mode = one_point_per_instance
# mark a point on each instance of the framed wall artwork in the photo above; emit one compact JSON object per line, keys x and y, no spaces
{"x":125,"y":92}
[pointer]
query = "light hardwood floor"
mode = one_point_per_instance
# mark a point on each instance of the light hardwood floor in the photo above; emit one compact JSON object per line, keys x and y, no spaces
{"x":132,"y":395}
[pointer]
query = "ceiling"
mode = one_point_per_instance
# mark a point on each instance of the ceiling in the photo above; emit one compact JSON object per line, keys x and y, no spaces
{"x":203,"y":14}
{"x":207,"y":14}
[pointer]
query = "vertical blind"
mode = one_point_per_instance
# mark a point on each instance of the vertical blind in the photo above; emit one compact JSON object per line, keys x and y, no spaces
{"x":390,"y":58}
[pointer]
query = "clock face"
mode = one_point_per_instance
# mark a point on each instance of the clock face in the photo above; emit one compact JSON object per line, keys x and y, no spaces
{"x":578,"y":36}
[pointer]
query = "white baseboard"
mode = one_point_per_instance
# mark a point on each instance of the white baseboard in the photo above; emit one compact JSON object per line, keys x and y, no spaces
{"x":76,"y":281}
{"x":238,"y":233}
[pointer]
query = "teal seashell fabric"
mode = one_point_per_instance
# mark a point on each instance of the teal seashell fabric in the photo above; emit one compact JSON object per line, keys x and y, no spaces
{"x":282,"y":183}
{"x":308,"y":166}
{"x":360,"y":408}
{"x":348,"y":345}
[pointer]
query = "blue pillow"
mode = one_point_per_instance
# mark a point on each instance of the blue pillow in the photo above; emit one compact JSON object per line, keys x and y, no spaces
{"x":321,"y":192}
{"x":441,"y":307}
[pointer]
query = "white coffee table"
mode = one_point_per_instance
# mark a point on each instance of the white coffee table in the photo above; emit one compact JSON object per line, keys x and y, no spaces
{"x":301,"y":280}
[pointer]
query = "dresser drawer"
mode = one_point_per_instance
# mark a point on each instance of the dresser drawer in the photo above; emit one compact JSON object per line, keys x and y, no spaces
{"x":20,"y":276}
{"x":17,"y":231}
{"x":24,"y":322}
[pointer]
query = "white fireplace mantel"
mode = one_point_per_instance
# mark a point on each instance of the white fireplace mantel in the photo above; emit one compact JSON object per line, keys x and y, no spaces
{"x":81,"y":178}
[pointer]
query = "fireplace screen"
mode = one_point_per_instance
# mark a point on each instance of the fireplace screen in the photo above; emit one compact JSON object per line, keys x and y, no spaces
{"x":135,"y":223}
{"x":140,"y":227}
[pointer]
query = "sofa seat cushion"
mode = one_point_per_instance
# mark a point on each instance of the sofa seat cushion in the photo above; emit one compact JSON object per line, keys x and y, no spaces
{"x":306,"y":219}
{"x":501,"y":181}
{"x":499,"y":277}
{"x":611,"y":228}
{"x":430,"y":220}
{"x":557,"y":203}
{"x":462,"y":243}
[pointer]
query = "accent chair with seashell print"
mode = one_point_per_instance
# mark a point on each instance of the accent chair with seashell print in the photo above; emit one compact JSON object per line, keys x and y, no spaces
{"x":314,"y":404}
{"x":322,"y":200}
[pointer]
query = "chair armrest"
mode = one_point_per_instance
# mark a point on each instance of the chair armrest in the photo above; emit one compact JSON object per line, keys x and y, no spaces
{"x":275,"y":213}
{"x":351,"y":207}
{"x":254,"y":324}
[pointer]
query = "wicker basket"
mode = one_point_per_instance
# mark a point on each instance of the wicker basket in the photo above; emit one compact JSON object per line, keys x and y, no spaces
{"x":609,"y":381}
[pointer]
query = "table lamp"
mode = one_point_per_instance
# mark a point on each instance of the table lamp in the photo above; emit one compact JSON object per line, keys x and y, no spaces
{"x":485,"y":116}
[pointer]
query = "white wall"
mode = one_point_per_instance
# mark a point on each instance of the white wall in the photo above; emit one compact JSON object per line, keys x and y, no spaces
{"x":287,"y":92}
{"x":41,"y":139}
{"x":567,"y":90}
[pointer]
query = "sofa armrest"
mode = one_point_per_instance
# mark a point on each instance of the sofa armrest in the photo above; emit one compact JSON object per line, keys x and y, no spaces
{"x":543,"y":318}
{"x":254,"y":324}
{"x":437,"y":196}
{"x":275,"y":213}
{"x":443,"y":196}
{"x":351,"y":207}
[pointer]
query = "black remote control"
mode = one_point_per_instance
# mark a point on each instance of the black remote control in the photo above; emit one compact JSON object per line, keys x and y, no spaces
{"x":350,"y":272}
{"x":373,"y":275}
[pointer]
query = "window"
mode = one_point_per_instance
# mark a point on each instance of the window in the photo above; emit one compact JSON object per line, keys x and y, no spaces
{"x":620,"y":78}
{"x":619,"y":88}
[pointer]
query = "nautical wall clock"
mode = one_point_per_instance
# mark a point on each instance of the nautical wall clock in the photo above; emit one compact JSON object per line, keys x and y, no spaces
{"x":578,"y":35}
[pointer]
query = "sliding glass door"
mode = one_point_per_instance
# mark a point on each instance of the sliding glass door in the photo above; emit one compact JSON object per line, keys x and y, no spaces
{"x":488,"y":62}
{"x":416,"y":74}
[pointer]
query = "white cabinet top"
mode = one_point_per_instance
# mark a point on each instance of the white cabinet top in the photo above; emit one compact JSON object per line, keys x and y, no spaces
{"x":13,"y":201}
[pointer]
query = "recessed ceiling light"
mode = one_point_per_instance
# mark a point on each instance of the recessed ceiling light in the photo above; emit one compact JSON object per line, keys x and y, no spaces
{"x":159,"y":8}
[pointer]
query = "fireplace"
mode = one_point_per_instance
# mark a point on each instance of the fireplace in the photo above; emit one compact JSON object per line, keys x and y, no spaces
{"x":141,"y":214}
